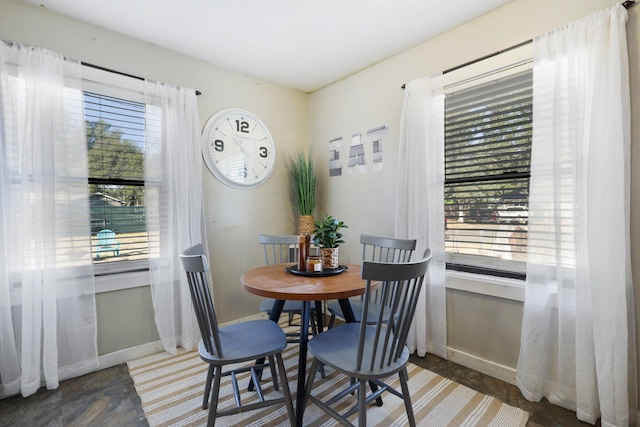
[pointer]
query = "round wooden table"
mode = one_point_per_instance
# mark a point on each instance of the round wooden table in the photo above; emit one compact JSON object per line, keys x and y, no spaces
{"x":272,"y":281}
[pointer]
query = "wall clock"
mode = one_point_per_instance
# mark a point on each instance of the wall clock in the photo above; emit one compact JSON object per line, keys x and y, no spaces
{"x":238,"y":148}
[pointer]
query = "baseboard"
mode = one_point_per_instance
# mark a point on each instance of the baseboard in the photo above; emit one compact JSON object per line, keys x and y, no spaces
{"x":127,"y":354}
{"x":258,"y":316}
{"x":487,"y":367}
{"x":132,"y":353}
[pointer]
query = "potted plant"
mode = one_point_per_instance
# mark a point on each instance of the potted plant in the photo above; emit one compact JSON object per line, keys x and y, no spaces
{"x":303,"y":179}
{"x":327,"y":237}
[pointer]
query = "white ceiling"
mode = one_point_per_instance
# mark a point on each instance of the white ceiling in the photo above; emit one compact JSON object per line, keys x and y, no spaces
{"x":302,"y":44}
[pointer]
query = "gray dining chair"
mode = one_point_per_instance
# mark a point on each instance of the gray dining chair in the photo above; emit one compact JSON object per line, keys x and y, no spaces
{"x":379,"y":249}
{"x":280,"y":249}
{"x":233,"y":344}
{"x":371,"y":353}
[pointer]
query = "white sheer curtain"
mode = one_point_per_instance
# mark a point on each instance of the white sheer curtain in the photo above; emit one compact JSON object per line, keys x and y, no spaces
{"x":420,"y":206}
{"x":47,"y":302}
{"x":174,"y":202}
{"x":578,"y":336}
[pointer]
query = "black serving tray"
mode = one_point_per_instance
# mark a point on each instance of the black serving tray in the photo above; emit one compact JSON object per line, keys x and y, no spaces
{"x":326,"y":272}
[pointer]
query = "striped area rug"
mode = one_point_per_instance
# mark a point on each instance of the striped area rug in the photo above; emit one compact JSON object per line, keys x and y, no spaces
{"x":171,"y":390}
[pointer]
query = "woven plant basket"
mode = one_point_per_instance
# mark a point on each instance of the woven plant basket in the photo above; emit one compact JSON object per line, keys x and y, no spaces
{"x":330,"y":258}
{"x":306,"y":224}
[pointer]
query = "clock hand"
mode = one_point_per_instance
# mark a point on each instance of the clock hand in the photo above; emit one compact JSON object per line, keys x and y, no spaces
{"x":240,"y":146}
{"x":240,"y":143}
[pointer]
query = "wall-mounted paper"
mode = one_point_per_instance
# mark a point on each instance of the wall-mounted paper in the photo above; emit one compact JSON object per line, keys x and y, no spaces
{"x":376,"y":136}
{"x":335,"y":167}
{"x":356,"y":155}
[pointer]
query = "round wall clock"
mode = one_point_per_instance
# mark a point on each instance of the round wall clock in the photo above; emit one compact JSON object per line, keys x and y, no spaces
{"x":238,"y":148}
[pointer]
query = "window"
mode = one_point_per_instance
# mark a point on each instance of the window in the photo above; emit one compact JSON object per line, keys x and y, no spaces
{"x":488,"y":130}
{"x":115,"y":131}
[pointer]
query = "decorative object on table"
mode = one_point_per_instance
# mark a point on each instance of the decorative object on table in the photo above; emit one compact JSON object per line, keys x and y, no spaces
{"x":238,"y":148}
{"x":314,"y":264}
{"x":303,"y":179}
{"x":322,"y":273}
{"x":304,"y":241}
{"x":328,"y":238}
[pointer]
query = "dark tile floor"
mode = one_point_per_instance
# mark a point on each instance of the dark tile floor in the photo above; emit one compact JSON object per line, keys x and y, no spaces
{"x":103,"y":398}
{"x":108,"y":398}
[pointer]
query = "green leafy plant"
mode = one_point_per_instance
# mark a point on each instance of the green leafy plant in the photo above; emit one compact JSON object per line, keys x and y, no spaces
{"x":327,"y":233}
{"x":304,"y":181}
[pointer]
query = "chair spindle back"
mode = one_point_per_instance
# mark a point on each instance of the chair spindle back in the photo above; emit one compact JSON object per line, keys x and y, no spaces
{"x":196,"y":266}
{"x":401,"y":284}
{"x":386,"y":249}
{"x":279,"y":249}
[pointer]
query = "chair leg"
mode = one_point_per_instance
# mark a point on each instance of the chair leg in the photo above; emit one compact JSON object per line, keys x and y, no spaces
{"x":314,"y":332}
{"x":285,"y":389}
{"x":207,"y":387}
{"x":322,"y":373}
{"x":406,"y":396}
{"x":314,"y":329}
{"x":274,"y":377}
{"x":331,"y":321}
{"x":312,"y":375}
{"x":319,"y":316}
{"x":362,"y":404}
{"x":213,"y":405}
{"x":374,"y":388}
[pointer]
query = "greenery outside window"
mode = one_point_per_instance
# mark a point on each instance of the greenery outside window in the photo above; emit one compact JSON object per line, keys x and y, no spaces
{"x":488,"y":129}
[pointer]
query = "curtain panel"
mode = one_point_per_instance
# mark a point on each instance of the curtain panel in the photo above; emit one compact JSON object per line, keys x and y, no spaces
{"x":578,"y":335}
{"x":47,"y":301}
{"x":175,"y":210}
{"x":421,"y":161}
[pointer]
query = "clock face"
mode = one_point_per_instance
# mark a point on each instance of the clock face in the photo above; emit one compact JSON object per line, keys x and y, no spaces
{"x":238,"y":148}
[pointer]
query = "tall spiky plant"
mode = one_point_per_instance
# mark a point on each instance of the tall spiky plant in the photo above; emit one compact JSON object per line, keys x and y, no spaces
{"x":303,"y":180}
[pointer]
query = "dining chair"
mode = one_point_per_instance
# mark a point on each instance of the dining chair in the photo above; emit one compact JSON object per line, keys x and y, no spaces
{"x":233,"y":344}
{"x":378,"y":249}
{"x":371,"y":353}
{"x":280,"y":249}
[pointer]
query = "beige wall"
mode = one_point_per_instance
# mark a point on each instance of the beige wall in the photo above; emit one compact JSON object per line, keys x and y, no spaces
{"x":486,"y":328}
{"x":125,"y":319}
{"x":235,"y":218}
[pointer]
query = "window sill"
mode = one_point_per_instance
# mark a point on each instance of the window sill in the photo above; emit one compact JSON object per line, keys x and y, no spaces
{"x":119,"y":281}
{"x":500,"y":287}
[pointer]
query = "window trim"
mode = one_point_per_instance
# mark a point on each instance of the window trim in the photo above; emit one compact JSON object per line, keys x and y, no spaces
{"x":499,"y":287}
{"x":121,"y":280}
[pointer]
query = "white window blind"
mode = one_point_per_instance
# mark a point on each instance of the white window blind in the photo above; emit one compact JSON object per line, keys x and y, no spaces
{"x":487,"y":165}
{"x":115,"y":130}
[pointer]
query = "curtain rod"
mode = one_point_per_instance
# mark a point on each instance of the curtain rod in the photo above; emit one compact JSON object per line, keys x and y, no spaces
{"x":109,"y":70}
{"x":626,"y":5}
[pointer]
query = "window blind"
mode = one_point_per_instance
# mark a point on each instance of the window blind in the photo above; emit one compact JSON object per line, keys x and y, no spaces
{"x":488,"y":132}
{"x":115,"y":130}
